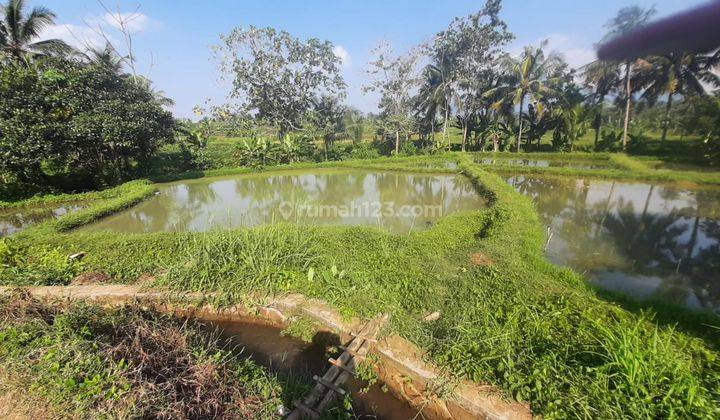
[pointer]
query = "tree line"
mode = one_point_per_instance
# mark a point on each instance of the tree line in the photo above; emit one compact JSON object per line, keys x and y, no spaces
{"x":464,"y":79}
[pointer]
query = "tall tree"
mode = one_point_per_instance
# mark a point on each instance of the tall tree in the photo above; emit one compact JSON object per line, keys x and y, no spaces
{"x":677,"y":74}
{"x":279,"y":77}
{"x":435,"y":94}
{"x":529,"y":80}
{"x":602,"y":77}
{"x":394,"y":78}
{"x":461,"y":56}
{"x":105,"y":57}
{"x":626,"y":20}
{"x":19,"y":32}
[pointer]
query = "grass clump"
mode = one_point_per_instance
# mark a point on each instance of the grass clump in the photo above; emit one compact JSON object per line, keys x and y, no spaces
{"x":240,"y":262}
{"x":126,"y":362}
{"x":626,"y":162}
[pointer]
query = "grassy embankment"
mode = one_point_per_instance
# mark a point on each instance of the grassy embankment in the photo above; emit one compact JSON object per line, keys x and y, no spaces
{"x":619,"y":166}
{"x":508,"y":317}
{"x":65,"y":360}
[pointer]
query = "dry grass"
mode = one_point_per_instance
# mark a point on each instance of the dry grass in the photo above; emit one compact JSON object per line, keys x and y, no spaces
{"x":150,"y":365}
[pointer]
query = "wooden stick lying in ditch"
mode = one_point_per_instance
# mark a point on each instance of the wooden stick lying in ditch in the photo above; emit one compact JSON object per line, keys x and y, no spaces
{"x":340,"y":371}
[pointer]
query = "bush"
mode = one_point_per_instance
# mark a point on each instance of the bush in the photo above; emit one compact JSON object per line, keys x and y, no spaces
{"x":408,"y":148}
{"x":609,"y":141}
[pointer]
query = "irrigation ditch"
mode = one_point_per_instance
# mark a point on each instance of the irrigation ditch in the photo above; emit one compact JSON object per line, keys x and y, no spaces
{"x":415,"y":385}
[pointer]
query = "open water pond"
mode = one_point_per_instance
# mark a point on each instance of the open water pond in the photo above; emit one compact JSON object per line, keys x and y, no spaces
{"x":16,"y":219}
{"x":644,"y":240}
{"x":397,"y":201}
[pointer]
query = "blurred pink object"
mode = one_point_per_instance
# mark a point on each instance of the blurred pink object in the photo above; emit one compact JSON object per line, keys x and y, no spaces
{"x":696,"y":30}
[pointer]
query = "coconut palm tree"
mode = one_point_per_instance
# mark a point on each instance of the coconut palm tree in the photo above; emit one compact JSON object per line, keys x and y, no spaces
{"x":105,"y":57}
{"x":529,"y":81}
{"x":430,"y":98}
{"x":603,"y":77}
{"x":436,"y":92}
{"x":677,"y":74}
{"x":19,"y":31}
{"x":626,"y":20}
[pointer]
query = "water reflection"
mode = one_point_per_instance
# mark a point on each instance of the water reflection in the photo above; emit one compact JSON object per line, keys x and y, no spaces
{"x":541,"y":163}
{"x":399,"y":202}
{"x":17,"y":219}
{"x":640,"y":239}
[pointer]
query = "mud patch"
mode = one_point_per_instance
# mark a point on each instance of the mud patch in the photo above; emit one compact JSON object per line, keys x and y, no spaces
{"x":89,"y":278}
{"x":480,"y":259}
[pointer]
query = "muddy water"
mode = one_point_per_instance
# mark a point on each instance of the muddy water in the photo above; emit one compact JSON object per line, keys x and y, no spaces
{"x":288,"y":356}
{"x":644,"y":240}
{"x":542,"y":163}
{"x":396,"y":201}
{"x":16,"y":219}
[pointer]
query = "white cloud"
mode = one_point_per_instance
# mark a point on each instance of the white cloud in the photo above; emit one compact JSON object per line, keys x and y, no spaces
{"x":575,"y":52}
{"x":343,"y":55}
{"x":134,"y":22}
{"x":90,"y":33}
{"x":80,"y":37}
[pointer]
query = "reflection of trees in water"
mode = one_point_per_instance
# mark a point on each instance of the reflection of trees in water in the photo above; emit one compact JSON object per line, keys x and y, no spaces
{"x":14,"y":220}
{"x":648,"y":241}
{"x":678,"y":243}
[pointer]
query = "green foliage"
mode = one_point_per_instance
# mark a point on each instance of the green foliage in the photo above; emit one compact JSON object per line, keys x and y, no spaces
{"x":36,"y":265}
{"x":19,"y":33}
{"x":610,"y":140}
{"x":572,"y":126}
{"x":256,"y":151}
{"x":281,"y":76}
{"x":242,"y":261}
{"x":302,"y":328}
{"x":295,"y":148}
{"x":76,"y":123}
{"x":364,"y":151}
{"x":192,"y":150}
{"x":365,"y":371}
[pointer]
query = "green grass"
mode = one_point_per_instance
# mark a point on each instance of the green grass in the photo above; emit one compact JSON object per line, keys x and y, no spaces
{"x":532,"y":329}
{"x":621,"y":167}
{"x":110,"y":193}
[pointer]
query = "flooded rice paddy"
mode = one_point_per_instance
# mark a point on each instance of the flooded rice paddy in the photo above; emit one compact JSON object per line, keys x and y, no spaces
{"x":14,"y":220}
{"x":640,"y":239}
{"x":396,"y":201}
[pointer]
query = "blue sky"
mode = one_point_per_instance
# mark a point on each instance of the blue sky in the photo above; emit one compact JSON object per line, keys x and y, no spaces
{"x":172,"y":38}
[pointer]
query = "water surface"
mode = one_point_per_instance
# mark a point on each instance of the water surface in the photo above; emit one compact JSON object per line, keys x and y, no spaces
{"x":396,"y":201}
{"x":645,"y":240}
{"x":16,"y":219}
